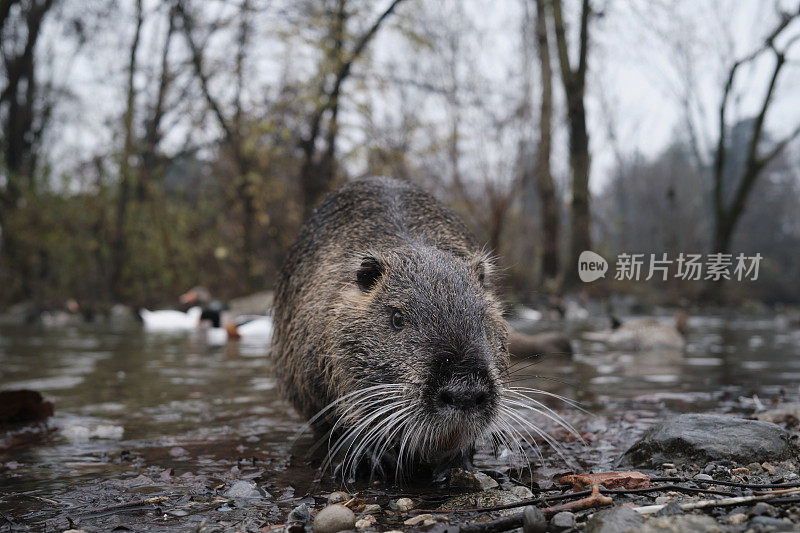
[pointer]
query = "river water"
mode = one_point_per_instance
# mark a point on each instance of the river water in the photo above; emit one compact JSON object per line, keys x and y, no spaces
{"x":140,"y":415}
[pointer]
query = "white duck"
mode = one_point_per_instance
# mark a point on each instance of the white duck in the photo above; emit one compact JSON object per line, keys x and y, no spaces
{"x":169,"y":320}
{"x":251,"y":327}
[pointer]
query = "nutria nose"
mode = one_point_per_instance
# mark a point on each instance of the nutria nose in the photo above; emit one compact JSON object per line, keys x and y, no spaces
{"x":464,"y":398}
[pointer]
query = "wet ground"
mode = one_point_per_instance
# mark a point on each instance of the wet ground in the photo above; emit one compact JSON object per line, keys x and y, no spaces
{"x":154,"y":431}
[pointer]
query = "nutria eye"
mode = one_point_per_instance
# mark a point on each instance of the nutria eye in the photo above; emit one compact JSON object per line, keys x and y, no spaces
{"x":397,"y":320}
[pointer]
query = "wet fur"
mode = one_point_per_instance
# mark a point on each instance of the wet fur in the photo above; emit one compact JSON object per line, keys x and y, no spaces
{"x":334,"y":337}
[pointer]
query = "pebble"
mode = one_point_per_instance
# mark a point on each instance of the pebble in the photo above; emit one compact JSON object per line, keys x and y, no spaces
{"x":769,"y":468}
{"x":300,"y":514}
{"x":755,"y":468}
{"x":523,"y":492}
{"x":703,"y":477}
{"x":533,"y":520}
{"x":338,"y":497}
{"x":243,"y":489}
{"x":741,"y":471}
{"x":334,"y":518}
{"x":614,"y":520}
{"x":372,"y":508}
{"x":420,"y":518}
{"x":471,"y":479}
{"x":737,"y":518}
{"x":763,"y":509}
{"x":662,"y":500}
{"x":366,"y":522}
{"x":404,"y":505}
{"x":562,"y":521}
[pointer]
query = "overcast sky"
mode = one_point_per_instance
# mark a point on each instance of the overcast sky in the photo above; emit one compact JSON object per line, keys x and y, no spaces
{"x":636,"y":83}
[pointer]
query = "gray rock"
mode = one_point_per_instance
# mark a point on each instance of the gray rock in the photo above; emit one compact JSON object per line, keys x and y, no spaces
{"x":615,"y":520}
{"x":243,"y":489}
{"x":703,"y":477}
{"x":334,"y":518}
{"x":533,"y":520}
{"x":680,"y":524}
{"x":562,"y":521}
{"x":702,"y":437}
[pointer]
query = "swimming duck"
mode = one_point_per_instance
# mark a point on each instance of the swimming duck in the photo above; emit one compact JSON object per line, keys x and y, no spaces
{"x":644,"y":334}
{"x":170,"y":320}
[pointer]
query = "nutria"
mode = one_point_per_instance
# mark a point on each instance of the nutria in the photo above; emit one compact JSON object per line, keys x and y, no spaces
{"x":388,"y":329}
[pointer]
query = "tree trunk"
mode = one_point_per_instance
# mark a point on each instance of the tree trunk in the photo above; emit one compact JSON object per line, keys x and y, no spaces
{"x":574,"y":82}
{"x":119,"y":249}
{"x":544,"y":178}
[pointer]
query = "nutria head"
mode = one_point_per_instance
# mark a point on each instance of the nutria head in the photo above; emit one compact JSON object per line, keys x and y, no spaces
{"x":417,"y":354}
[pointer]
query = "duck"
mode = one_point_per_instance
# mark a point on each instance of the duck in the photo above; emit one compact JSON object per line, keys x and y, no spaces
{"x":644,"y":334}
{"x":171,"y":320}
{"x":250,"y":327}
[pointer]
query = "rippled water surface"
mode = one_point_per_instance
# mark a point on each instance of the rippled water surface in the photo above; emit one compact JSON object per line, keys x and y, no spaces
{"x":141,"y":415}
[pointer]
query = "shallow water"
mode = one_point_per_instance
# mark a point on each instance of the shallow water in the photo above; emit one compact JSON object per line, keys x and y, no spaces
{"x":141,"y":415}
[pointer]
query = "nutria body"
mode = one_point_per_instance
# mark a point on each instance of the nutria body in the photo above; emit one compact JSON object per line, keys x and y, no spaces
{"x":387,"y":326}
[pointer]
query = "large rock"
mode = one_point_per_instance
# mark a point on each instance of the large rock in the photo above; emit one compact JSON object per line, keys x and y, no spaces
{"x":703,"y":437}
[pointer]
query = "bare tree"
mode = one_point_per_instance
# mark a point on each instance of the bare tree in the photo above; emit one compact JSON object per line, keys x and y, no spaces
{"x":23,"y":114}
{"x":317,"y":170}
{"x":574,"y":82}
{"x":727,"y":214}
{"x":233,"y":137}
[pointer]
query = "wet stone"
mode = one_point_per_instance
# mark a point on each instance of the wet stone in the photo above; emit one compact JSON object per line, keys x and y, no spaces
{"x":533,"y":520}
{"x":300,"y":514}
{"x":471,"y":479}
{"x":706,"y":437}
{"x":562,"y":521}
{"x":615,"y":520}
{"x":365,"y":522}
{"x":522,"y":492}
{"x":404,"y":505}
{"x":243,"y":489}
{"x":334,"y":518}
{"x":737,"y":518}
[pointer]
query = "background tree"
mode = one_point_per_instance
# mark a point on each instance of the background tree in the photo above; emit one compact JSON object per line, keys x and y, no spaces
{"x":573,"y":80}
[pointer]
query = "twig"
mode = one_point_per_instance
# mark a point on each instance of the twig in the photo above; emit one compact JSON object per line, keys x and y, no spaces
{"x":124,"y":506}
{"x":702,"y":504}
{"x":555,"y":497}
{"x":729,"y":483}
{"x":596,"y":499}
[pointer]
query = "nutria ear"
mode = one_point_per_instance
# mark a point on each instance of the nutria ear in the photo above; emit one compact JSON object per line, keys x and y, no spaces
{"x":369,"y":273}
{"x":482,"y":266}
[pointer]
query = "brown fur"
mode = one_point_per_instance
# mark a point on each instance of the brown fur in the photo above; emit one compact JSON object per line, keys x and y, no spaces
{"x":333,"y":336}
